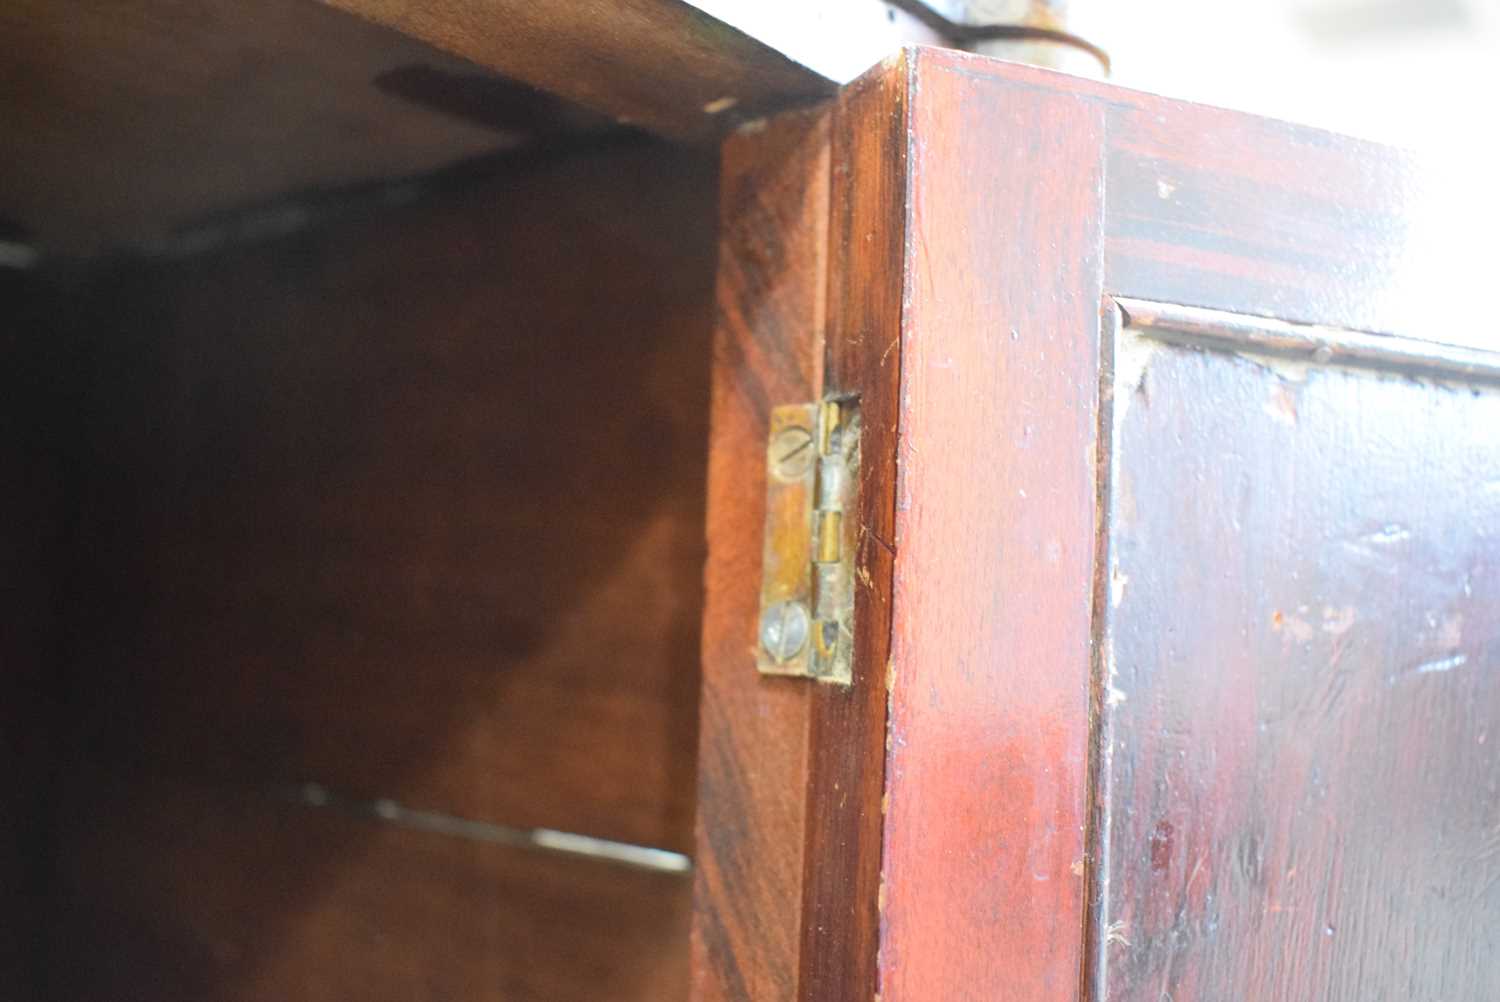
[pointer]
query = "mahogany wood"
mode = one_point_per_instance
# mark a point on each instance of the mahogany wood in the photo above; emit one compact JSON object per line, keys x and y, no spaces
{"x":989,"y":729}
{"x":1302,"y":782}
{"x":1173,"y":664}
{"x":126,"y":118}
{"x":791,"y":774}
{"x":1290,"y":563}
{"x":410,"y":508}
{"x":659,"y":64}
{"x":841,"y":920}
{"x":753,"y":772}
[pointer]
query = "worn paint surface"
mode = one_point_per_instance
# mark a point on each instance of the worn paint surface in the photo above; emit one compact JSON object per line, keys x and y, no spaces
{"x":987,"y":765}
{"x":1019,"y":849}
{"x":1301,"y":776}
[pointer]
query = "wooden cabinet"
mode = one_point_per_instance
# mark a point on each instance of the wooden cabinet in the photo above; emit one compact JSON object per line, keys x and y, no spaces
{"x":1174,"y":677}
{"x":365,"y":640}
{"x":374,"y":583}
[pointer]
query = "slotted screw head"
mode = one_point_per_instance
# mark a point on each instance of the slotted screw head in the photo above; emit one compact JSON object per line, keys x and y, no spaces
{"x":783,"y":630}
{"x":792,"y":452}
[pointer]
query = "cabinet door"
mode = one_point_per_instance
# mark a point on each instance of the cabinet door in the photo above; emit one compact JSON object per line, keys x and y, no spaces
{"x":1179,"y":625}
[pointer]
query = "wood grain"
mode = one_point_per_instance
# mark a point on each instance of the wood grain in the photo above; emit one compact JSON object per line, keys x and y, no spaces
{"x":986,"y":775}
{"x":1207,"y":208}
{"x":841,"y":920}
{"x":1301,"y":643}
{"x":659,"y":64}
{"x":790,"y":822}
{"x":1221,"y":209}
{"x":412,"y":509}
{"x":753,"y":773}
{"x":1294,"y":795}
{"x":125,"y":118}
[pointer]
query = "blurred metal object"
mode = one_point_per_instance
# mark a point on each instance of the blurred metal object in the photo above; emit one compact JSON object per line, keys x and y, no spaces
{"x":1058,"y":34}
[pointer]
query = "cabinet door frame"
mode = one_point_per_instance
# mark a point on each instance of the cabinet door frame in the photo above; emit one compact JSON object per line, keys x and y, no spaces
{"x":935,"y":833}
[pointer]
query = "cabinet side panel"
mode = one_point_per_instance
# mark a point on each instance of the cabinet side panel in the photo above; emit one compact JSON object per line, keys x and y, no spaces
{"x":867,"y":234}
{"x":987,"y":771}
{"x":753,"y":763}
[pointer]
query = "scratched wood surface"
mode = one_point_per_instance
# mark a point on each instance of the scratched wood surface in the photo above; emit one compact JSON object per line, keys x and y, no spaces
{"x":1294,"y":789}
{"x":753,"y":746}
{"x":1300,"y":798}
{"x":412,"y":509}
{"x":841,"y":918}
{"x":791,"y":774}
{"x":986,"y":774}
{"x":1303,"y":782}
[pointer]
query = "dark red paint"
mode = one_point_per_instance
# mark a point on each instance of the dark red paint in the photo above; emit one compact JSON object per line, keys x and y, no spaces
{"x":1187,"y":679}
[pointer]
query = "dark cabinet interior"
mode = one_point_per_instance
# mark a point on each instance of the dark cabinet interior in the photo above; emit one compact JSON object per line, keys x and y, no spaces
{"x":385,"y":440}
{"x":352,"y":537}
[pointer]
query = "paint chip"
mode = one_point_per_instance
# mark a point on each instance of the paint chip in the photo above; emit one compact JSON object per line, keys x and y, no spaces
{"x":1338,"y":621}
{"x":1282,"y":405}
{"x":1301,"y":630}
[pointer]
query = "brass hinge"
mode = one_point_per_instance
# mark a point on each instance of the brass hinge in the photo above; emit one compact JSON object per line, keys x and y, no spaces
{"x":807,"y":573}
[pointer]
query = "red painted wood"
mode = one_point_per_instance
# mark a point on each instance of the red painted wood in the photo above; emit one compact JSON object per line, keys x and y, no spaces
{"x":1299,"y":629}
{"x":1212,"y":207}
{"x":989,"y":723}
{"x":1303,"y":637}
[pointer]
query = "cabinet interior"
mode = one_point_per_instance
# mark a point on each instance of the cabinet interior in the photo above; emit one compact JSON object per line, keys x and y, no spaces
{"x":353,"y":542}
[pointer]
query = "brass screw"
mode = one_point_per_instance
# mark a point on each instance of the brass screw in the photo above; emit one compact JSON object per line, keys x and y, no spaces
{"x":783,"y":630}
{"x":792,"y":452}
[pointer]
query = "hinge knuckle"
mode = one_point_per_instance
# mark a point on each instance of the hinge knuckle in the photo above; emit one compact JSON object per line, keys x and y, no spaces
{"x":807,"y":597}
